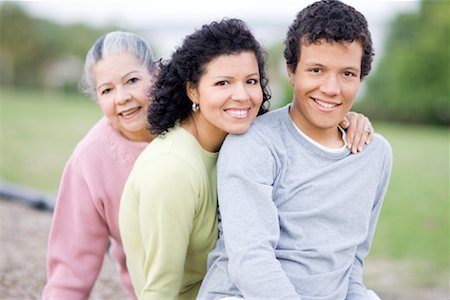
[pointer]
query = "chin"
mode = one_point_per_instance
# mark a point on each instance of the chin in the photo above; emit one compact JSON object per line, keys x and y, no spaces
{"x":238,"y":131}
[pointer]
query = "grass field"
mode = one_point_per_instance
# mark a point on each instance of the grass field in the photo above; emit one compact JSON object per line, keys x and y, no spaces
{"x":39,"y":131}
{"x":414,"y":223}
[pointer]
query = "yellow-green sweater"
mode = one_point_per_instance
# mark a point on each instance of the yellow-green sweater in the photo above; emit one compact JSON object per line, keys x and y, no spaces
{"x":168,"y":217}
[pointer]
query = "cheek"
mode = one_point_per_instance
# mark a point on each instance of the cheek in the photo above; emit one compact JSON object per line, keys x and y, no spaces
{"x":106,"y":107}
{"x":145,"y":103}
{"x":257,"y":96}
{"x":350,"y":93}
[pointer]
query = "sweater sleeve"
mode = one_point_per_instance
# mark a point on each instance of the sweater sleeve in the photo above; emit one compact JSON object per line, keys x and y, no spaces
{"x":246,"y":171}
{"x":77,"y":242}
{"x":167,"y":195}
{"x":356,"y":289}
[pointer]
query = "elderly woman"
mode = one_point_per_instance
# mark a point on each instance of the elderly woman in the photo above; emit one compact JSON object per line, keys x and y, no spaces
{"x":118,"y":71}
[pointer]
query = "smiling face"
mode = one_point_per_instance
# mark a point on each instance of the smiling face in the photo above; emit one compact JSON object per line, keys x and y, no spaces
{"x":229,"y":94}
{"x":122,"y":82}
{"x":326,"y":82}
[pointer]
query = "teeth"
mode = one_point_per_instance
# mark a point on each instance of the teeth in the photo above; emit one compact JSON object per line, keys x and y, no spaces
{"x":129,"y":112}
{"x":237,"y":113}
{"x":324,"y":104}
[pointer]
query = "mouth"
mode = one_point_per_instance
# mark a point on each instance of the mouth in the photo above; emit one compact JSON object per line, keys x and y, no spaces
{"x":130,"y":112}
{"x":328,"y":106}
{"x":238,"y":113}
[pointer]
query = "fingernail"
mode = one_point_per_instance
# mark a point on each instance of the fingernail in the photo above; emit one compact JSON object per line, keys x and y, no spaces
{"x":360,"y":149}
{"x":349,"y":146}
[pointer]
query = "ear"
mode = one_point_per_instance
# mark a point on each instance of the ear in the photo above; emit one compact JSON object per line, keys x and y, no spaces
{"x":291,"y":74}
{"x":191,"y":92}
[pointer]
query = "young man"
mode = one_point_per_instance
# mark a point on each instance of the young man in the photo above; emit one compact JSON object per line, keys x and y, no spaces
{"x":298,"y":209}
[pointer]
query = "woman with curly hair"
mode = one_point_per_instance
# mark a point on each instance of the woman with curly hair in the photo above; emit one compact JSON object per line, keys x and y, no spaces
{"x":214,"y":84}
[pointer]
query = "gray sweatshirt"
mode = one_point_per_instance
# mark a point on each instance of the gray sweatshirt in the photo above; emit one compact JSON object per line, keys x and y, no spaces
{"x":296,"y":221}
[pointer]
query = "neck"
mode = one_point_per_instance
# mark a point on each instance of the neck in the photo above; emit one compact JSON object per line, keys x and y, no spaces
{"x":141,"y":136}
{"x":330,"y":136}
{"x":208,"y":136}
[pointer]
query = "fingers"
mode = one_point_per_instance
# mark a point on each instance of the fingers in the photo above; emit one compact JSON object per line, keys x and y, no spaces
{"x":344,"y":123}
{"x":357,"y":144}
{"x":359,"y":132}
{"x":370,"y":132}
{"x":363,"y":130}
{"x":351,"y":128}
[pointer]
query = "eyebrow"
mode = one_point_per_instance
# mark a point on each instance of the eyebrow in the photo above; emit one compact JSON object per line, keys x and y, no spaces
{"x":124,"y":76}
{"x":355,"y":68}
{"x":230,"y":77}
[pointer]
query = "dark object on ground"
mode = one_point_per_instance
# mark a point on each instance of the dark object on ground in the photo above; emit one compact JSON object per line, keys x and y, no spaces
{"x":29,"y":196}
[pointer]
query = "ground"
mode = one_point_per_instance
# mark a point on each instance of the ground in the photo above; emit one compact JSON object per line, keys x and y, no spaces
{"x":24,"y":235}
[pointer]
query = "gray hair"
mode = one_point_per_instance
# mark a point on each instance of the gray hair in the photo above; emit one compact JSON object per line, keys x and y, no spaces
{"x":115,"y":42}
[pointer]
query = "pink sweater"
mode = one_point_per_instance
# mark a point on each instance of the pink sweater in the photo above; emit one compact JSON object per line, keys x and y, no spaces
{"x":86,"y":213}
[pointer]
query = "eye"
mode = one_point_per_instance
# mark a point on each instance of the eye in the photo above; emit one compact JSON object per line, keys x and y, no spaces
{"x":105,"y":91}
{"x":349,"y":74}
{"x":222,"y":83}
{"x":315,"y":70}
{"x":252,"y":81}
{"x":133,"y":80}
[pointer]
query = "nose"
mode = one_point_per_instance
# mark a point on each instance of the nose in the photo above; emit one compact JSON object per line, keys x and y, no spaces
{"x":240,"y":93}
{"x":330,"y":85}
{"x":122,"y":96}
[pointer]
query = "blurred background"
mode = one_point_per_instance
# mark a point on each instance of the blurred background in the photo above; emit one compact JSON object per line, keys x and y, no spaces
{"x":406,"y":96}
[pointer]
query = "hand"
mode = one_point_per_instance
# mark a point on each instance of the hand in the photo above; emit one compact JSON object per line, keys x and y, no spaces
{"x":359,"y":131}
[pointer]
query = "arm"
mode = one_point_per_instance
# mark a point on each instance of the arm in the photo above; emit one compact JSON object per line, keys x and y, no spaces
{"x":168,"y":197}
{"x":77,"y":243}
{"x":246,"y":172}
{"x":356,"y":289}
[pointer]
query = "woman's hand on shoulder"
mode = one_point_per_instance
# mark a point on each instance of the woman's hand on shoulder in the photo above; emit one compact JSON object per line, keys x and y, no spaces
{"x":359,"y":131}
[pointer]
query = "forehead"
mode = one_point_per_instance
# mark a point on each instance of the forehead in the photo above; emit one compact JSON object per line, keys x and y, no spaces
{"x":117,"y":65}
{"x":331,"y":52}
{"x":237,"y":62}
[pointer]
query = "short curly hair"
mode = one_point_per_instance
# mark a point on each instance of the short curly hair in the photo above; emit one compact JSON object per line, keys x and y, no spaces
{"x":329,"y":20}
{"x":170,"y":103}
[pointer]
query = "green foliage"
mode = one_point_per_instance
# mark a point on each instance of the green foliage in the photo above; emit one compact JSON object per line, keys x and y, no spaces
{"x":411,"y":82}
{"x":31,"y":49}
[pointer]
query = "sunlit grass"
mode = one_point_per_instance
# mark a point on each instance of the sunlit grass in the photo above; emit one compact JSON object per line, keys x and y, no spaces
{"x":414,"y":222}
{"x":38,"y":133}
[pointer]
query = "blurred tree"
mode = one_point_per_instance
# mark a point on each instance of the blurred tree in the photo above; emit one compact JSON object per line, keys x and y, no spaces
{"x":39,"y":53}
{"x":411,"y":82}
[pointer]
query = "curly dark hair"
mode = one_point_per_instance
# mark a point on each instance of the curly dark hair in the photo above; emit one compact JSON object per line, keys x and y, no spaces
{"x":188,"y":63}
{"x":333,"y":21}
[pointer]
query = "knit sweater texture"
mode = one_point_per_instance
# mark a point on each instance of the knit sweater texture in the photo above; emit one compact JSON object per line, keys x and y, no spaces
{"x":86,"y":213}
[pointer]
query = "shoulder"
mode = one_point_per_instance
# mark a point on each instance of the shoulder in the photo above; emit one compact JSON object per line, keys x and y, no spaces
{"x":89,"y":148}
{"x":271,"y":120}
{"x":264,"y":129}
{"x":381,"y":144}
{"x":176,"y":148}
{"x":103,"y":144}
{"x":164,"y":179}
{"x":168,"y":160}
{"x":380,"y":150}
